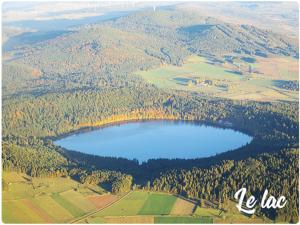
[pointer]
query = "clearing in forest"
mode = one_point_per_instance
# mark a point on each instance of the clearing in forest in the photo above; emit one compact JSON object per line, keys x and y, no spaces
{"x":240,"y":80}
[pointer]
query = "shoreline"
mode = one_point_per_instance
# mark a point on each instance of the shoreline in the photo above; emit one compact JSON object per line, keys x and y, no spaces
{"x":197,"y":122}
{"x":92,"y":128}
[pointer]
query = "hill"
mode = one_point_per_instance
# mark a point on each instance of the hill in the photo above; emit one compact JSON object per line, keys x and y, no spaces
{"x":169,"y":63}
{"x":106,"y":54}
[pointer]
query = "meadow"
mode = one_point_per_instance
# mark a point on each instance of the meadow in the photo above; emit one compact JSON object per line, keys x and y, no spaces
{"x":238,"y":79}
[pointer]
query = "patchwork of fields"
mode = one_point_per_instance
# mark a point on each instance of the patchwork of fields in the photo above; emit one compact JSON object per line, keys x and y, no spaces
{"x":49,"y":200}
{"x":235,"y":80}
{"x":63,"y":200}
{"x":148,"y":207}
{"x":153,"y":207}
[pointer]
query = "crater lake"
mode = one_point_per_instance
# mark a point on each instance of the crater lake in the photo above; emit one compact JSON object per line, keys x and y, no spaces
{"x":156,"y":139}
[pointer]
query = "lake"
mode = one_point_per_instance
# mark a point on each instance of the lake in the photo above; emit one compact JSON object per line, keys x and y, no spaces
{"x":156,"y":139}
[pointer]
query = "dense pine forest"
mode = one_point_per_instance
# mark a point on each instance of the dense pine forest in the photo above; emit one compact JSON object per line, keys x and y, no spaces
{"x":84,"y":79}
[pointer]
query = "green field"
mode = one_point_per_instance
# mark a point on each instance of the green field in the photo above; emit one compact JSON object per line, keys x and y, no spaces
{"x":207,"y":212}
{"x":73,"y":209}
{"x":138,"y":207}
{"x":18,"y":212}
{"x":78,"y":199}
{"x":163,"y":204}
{"x":128,"y":206}
{"x":227,"y":80}
{"x":59,"y":215}
{"x":62,"y":200}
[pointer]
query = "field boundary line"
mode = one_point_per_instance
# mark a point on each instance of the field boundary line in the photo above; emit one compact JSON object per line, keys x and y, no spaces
{"x":98,"y":210}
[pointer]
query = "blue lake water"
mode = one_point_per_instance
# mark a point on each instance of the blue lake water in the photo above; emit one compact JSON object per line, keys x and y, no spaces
{"x":156,"y":139}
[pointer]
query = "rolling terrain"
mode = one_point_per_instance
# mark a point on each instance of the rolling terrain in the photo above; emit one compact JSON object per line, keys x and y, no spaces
{"x":248,"y":81}
{"x":175,"y":62}
{"x":106,"y":55}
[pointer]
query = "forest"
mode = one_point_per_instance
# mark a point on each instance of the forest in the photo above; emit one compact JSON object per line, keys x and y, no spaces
{"x":84,"y":79}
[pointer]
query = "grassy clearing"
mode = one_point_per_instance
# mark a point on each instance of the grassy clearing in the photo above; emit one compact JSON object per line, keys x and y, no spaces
{"x":22,"y":186}
{"x":54,"y":185}
{"x":182,"y":219}
{"x":226,"y":80}
{"x":280,"y":68}
{"x":207,"y":212}
{"x":19,"y":186}
{"x":14,"y":177}
{"x":174,"y":77}
{"x":18,"y":191}
{"x":232,"y":215}
{"x":73,"y":209}
{"x":158,"y":204}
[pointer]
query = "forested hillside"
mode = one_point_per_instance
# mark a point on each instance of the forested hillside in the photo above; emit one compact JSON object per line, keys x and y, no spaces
{"x":105,"y":55}
{"x":86,"y":78}
{"x":276,"y":172}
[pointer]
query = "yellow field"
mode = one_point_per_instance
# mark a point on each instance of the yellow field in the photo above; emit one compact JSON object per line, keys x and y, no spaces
{"x":147,"y":207}
{"x":46,"y":200}
{"x":207,"y":212}
{"x":129,"y":219}
{"x":128,"y":206}
{"x":79,"y":200}
{"x":60,"y":214}
{"x":232,"y":215}
{"x":182,"y":207}
{"x":16,"y":211}
{"x":62,"y":200}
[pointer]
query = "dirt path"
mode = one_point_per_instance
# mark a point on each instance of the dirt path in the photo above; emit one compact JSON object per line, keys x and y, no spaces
{"x":98,"y":210}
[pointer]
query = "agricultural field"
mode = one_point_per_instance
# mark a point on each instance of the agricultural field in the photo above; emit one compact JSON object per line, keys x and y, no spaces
{"x":234,"y":78}
{"x":49,"y":200}
{"x":183,"y":207}
{"x":163,"y":204}
{"x":182,"y":219}
{"x":33,"y":200}
{"x":137,"y":207}
{"x":232,"y":215}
